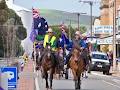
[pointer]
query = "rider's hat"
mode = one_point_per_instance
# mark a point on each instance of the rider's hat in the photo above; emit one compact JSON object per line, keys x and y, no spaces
{"x":50,"y":30}
{"x":77,"y":32}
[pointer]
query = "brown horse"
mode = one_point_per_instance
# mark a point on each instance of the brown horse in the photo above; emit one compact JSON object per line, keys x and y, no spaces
{"x":59,"y":69}
{"x":77,"y":66}
{"x":48,"y":64}
{"x":37,"y":57}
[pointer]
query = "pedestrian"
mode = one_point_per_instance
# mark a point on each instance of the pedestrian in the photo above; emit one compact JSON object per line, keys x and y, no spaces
{"x":110,"y":56}
{"x":22,"y":63}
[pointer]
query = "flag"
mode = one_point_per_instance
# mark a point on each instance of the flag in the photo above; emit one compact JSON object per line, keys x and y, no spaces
{"x":33,"y":34}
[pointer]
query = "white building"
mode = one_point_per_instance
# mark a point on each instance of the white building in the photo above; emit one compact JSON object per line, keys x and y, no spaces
{"x":26,"y":17}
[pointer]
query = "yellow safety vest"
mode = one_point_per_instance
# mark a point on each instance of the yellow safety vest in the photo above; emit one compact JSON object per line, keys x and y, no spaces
{"x":46,"y":40}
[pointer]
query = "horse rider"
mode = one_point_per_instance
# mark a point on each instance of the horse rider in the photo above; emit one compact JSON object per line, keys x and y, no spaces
{"x":63,"y":39}
{"x":76,"y":44}
{"x":64,"y":42}
{"x":50,"y":39}
{"x":80,"y":43}
{"x":85,"y":51}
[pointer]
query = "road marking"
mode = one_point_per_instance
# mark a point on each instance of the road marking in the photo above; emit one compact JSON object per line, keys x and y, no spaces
{"x":36,"y":79}
{"x":117,"y":81}
{"x":111,"y":84}
{"x":94,"y":73}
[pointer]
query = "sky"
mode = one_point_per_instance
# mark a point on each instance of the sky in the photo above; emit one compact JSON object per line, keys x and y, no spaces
{"x":72,"y":6}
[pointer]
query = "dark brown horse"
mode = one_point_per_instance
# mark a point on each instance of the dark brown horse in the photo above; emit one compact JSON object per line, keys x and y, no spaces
{"x":77,"y":66}
{"x":59,"y":69}
{"x":38,"y":53}
{"x":48,"y":64}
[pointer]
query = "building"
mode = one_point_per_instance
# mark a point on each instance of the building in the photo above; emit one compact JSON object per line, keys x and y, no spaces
{"x":106,"y":24}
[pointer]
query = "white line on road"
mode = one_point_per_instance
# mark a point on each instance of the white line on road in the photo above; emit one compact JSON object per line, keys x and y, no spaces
{"x":36,"y":79}
{"x":94,"y":73}
{"x":111,"y":84}
{"x":117,"y":81}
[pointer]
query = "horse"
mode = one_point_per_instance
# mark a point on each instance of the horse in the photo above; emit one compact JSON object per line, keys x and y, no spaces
{"x":87,"y":68}
{"x":38,"y":53}
{"x":76,"y":64}
{"x":48,"y":64}
{"x":60,"y":68}
{"x":87,"y":58}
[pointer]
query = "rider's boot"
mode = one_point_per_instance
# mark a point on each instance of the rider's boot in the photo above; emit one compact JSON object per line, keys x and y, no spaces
{"x":67,"y":59}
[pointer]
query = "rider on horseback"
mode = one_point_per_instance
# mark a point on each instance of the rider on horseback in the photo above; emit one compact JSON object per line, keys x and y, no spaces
{"x":76,"y":44}
{"x":80,"y":44}
{"x":50,"y":39}
{"x":85,"y":52}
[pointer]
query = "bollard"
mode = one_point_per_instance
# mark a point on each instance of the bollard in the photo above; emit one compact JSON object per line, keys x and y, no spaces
{"x":4,"y":81}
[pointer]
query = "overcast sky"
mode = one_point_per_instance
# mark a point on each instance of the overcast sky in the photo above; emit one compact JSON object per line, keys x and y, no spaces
{"x":63,"y":5}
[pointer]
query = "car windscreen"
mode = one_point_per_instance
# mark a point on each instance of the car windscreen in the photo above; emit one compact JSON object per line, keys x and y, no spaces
{"x":99,"y":56}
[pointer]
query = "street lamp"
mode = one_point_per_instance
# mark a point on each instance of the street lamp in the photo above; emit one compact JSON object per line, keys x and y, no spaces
{"x":78,"y":15}
{"x":91,"y":4}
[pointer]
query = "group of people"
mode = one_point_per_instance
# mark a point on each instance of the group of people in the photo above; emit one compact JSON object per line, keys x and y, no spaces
{"x":79,"y":42}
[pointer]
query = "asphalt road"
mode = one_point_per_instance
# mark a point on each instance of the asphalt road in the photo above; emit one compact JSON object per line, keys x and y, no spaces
{"x":95,"y":81}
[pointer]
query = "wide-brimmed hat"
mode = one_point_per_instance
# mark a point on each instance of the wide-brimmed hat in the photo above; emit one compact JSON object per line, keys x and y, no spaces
{"x":77,"y":32}
{"x":50,"y":30}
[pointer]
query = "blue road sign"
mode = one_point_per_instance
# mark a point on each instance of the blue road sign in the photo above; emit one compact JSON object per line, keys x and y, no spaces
{"x":12,"y":76}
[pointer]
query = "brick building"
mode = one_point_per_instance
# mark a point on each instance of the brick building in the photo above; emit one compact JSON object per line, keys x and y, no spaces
{"x":106,"y":18}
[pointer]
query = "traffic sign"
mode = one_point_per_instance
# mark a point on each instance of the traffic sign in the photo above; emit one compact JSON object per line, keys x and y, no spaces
{"x":12,"y":76}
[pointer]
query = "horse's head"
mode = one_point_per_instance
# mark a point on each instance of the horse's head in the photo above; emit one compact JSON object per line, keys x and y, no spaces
{"x":48,"y":50}
{"x":48,"y":46}
{"x":76,"y":54}
{"x":60,"y":51}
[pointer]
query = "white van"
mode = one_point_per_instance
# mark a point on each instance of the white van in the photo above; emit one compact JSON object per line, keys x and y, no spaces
{"x":100,"y":62}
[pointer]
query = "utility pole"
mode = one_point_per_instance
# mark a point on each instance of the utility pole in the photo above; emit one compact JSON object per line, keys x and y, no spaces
{"x":78,"y":21}
{"x":69,"y":30}
{"x":114,"y":35}
{"x":91,"y":4}
{"x":78,"y":15}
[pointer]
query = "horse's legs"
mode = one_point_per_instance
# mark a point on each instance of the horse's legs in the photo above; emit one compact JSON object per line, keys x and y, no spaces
{"x":86,"y":71}
{"x":79,"y":82}
{"x":75,"y":79}
{"x":46,"y":78}
{"x":76,"y":84}
{"x":51,"y":77}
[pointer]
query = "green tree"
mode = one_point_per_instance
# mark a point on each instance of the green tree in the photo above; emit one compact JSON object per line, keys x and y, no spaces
{"x":57,"y":31}
{"x":12,"y":30}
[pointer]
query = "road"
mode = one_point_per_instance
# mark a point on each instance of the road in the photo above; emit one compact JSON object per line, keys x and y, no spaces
{"x":95,"y":81}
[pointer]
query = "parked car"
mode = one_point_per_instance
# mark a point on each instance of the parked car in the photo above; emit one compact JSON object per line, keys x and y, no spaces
{"x":100,"y":62}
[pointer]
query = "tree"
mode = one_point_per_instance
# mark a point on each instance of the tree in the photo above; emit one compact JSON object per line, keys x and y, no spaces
{"x":11,"y":31}
{"x":57,"y":30}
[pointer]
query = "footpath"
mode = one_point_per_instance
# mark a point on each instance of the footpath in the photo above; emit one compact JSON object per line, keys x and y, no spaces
{"x":26,"y":79}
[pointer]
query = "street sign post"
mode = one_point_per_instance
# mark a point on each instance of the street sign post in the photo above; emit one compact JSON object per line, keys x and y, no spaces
{"x":12,"y":76}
